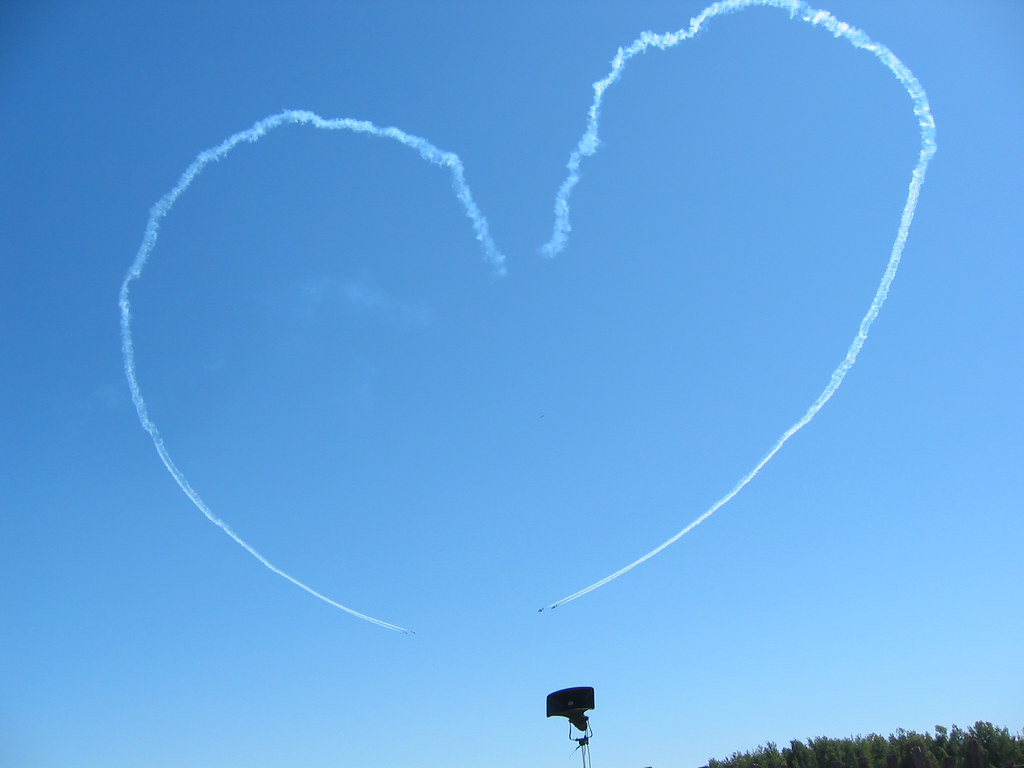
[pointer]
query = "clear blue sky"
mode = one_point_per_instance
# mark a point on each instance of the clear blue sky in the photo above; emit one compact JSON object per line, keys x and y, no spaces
{"x":344,"y":381}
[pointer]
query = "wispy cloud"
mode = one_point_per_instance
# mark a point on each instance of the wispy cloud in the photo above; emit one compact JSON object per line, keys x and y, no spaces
{"x":361,"y":297}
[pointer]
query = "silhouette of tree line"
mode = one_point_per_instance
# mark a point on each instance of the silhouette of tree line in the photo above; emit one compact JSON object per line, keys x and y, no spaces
{"x":982,"y":745}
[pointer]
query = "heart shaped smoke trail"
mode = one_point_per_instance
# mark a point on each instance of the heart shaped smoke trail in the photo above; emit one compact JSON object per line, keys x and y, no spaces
{"x":587,"y":145}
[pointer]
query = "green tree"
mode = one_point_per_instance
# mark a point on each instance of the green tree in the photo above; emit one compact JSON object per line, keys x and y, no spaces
{"x":998,"y":747}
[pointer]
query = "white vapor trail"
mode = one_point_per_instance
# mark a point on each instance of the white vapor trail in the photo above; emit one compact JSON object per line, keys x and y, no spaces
{"x":156,"y":215}
{"x":588,"y":145}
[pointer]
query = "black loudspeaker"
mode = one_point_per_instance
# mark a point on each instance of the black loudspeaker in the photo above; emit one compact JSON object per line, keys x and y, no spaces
{"x":571,"y":703}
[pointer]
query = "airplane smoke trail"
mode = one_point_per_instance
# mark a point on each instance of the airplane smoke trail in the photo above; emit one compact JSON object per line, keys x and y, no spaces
{"x":257,"y":131}
{"x":588,"y":145}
